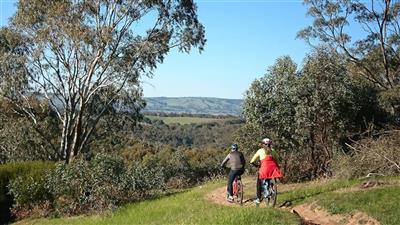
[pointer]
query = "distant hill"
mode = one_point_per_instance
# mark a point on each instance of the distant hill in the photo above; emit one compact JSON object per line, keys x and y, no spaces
{"x":194,"y":105}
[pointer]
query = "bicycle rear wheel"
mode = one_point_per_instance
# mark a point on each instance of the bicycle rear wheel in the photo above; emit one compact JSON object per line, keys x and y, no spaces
{"x":240,"y":192}
{"x":274,"y":194}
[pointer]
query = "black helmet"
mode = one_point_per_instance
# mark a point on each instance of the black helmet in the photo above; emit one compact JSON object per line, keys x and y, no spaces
{"x":234,"y":147}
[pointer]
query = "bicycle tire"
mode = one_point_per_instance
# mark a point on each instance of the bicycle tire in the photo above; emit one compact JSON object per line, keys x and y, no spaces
{"x":270,"y":201}
{"x":274,"y":196}
{"x":240,"y":192}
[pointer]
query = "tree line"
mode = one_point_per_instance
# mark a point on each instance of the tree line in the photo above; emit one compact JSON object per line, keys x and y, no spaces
{"x":344,"y":95}
{"x":70,"y":93}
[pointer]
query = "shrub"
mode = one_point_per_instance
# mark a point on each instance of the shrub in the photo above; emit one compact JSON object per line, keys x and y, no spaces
{"x":371,"y":156}
{"x":85,"y":186}
{"x":101,"y":184}
{"x":22,"y":183}
{"x":142,"y":182}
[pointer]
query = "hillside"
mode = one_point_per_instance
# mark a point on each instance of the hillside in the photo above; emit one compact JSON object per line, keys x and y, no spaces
{"x":194,"y":105}
{"x":332,"y":202}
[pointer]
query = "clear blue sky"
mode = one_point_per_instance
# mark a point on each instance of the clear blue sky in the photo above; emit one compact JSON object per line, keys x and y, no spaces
{"x":243,"y":39}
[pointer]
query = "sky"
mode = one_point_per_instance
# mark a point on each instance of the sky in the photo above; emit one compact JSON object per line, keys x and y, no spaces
{"x":244,"y":38}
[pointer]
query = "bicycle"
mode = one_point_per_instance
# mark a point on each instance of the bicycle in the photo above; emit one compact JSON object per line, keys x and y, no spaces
{"x":269,"y":192}
{"x":238,"y":189}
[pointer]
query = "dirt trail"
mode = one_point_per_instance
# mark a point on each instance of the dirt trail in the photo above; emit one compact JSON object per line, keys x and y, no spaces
{"x":310,"y":213}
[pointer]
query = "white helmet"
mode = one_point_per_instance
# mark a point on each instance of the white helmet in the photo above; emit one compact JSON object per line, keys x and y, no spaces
{"x":266,"y":141}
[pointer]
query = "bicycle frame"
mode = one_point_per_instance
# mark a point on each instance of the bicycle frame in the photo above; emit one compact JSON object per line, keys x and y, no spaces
{"x":238,"y":189}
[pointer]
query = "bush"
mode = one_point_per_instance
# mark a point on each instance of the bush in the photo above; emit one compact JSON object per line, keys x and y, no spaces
{"x":85,"y":186}
{"x":101,"y":184}
{"x":142,"y":182}
{"x":371,"y":156}
{"x":22,"y":183}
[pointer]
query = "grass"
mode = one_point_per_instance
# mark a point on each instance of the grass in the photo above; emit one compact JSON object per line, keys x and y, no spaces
{"x":306,"y":191}
{"x":380,"y":203}
{"x":184,"y":120}
{"x":188,"y":207}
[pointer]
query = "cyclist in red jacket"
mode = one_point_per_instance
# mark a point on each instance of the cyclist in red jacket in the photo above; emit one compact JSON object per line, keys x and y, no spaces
{"x":269,"y":168}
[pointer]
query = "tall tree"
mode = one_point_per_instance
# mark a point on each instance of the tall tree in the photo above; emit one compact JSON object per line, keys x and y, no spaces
{"x":375,"y":56}
{"x":269,"y":106}
{"x":324,"y":107}
{"x":86,"y":58}
{"x":268,"y":102}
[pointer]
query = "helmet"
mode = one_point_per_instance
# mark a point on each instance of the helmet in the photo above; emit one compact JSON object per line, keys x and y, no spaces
{"x":266,"y":141}
{"x":234,"y":147}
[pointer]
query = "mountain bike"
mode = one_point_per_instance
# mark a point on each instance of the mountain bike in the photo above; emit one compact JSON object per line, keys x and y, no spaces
{"x":238,"y":190}
{"x":269,"y":192}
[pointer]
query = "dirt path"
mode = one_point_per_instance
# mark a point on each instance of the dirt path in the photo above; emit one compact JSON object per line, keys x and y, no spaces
{"x":219,"y":196}
{"x":310,"y":213}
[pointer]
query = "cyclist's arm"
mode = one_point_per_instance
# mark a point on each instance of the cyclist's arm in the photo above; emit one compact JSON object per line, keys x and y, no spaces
{"x":257,"y":155}
{"x":225,"y":160}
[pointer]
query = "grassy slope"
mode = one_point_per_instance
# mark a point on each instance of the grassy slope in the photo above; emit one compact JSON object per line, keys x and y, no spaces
{"x":190,"y":207}
{"x":184,"y":208}
{"x":184,"y":120}
{"x":381,"y":203}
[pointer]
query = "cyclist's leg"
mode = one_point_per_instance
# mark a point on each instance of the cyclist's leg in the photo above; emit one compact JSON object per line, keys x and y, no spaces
{"x":231,"y":178}
{"x":259,"y":182}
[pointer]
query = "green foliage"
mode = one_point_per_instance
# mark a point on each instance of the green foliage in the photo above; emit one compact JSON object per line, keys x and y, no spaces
{"x":101,"y":184}
{"x":324,"y":108}
{"x":182,"y":167}
{"x":269,"y":101}
{"x":30,"y":188}
{"x":188,"y":207}
{"x":305,"y":113}
{"x":22,"y":182}
{"x":208,"y":135}
{"x":86,"y":59}
{"x":23,"y":140}
{"x":373,"y":56}
{"x":29,"y":169}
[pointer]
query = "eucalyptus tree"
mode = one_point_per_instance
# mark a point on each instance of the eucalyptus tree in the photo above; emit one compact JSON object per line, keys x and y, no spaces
{"x":269,"y":108}
{"x":86,"y":58}
{"x":374,"y":55}
{"x":325,"y":107}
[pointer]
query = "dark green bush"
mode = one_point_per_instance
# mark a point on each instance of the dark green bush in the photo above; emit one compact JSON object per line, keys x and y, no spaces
{"x":101,"y":184}
{"x":22,"y":182}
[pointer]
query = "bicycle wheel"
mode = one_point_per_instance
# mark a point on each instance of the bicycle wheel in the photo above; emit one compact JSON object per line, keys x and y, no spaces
{"x":273,"y":193}
{"x":240,"y":192}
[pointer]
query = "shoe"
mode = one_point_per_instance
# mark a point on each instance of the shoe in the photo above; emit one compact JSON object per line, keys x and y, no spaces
{"x":257,"y":201}
{"x":229,"y":198}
